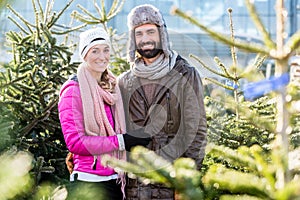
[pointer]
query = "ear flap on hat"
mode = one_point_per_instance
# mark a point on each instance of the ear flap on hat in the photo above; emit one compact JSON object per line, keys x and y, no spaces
{"x":131,"y":46}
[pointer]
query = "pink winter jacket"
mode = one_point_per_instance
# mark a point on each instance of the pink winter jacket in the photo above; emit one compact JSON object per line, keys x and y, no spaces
{"x":82,"y":146}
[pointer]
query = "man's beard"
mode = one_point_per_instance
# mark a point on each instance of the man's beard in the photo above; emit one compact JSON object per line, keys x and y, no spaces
{"x":149,"y":53}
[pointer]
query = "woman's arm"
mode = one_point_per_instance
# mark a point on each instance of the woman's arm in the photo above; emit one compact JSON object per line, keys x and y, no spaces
{"x":71,"y":119}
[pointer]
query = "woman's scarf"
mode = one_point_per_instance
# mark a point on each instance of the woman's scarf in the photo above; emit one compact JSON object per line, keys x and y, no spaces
{"x":95,"y":118}
{"x":159,"y":68}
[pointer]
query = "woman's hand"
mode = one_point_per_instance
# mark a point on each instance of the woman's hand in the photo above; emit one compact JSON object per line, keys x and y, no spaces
{"x":69,"y":162}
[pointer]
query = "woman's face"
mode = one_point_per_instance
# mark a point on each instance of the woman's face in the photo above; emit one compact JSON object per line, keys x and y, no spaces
{"x":97,"y":58}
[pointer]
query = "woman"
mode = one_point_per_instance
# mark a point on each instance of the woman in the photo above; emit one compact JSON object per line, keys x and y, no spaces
{"x":92,"y":117}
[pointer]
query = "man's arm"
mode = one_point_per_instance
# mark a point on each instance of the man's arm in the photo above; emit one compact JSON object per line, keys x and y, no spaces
{"x":195,"y":118}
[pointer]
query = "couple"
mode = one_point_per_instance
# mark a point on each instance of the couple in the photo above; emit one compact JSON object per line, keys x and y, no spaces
{"x":157,"y":104}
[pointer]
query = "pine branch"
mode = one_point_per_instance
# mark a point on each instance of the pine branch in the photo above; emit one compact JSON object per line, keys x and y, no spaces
{"x":18,"y":25}
{"x":12,"y":82}
{"x":59,"y":14}
{"x":68,"y":30}
{"x":244,"y":183}
{"x":48,"y":9}
{"x":291,"y":191}
{"x":88,"y":13}
{"x":233,"y":52}
{"x":182,"y":176}
{"x":259,"y":25}
{"x":224,"y":69}
{"x":252,"y":72}
{"x":27,"y":23}
{"x":219,"y":84}
{"x":115,"y":8}
{"x":293,"y":43}
{"x":248,"y":47}
{"x":84,"y":18}
{"x":36,"y":13}
{"x":234,"y":157}
{"x":239,"y":197}
{"x":44,"y":115}
{"x":101,"y":11}
{"x":41,"y":11}
{"x":206,"y":67}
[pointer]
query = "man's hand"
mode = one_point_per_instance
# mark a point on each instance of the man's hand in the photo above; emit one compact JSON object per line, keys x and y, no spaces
{"x":135,"y":138}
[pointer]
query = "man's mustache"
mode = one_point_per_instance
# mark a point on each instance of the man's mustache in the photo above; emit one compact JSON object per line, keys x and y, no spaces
{"x":146,"y":43}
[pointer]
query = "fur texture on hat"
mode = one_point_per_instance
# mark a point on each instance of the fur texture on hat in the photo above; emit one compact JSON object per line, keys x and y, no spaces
{"x":146,"y":14}
{"x":91,"y":37}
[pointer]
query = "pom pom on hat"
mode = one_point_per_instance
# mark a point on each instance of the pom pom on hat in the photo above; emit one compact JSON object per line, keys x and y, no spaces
{"x":91,"y":37}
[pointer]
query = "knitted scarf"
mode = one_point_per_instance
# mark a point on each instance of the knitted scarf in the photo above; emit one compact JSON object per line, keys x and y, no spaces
{"x":159,"y":68}
{"x":95,"y":118}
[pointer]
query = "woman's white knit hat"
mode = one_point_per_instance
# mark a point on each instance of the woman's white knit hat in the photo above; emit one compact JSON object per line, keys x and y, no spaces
{"x":91,"y":37}
{"x":146,"y":14}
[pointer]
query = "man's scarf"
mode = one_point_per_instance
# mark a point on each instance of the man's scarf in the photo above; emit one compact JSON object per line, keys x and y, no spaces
{"x":156,"y":70}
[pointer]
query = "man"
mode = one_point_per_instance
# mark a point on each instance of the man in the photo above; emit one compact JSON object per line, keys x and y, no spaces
{"x":295,"y":69}
{"x":163,"y":94}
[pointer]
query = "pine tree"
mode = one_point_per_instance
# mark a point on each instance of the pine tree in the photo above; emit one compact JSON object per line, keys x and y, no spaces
{"x":30,"y":83}
{"x":252,"y":157}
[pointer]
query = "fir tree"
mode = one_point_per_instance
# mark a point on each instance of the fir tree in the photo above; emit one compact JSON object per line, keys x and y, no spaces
{"x":30,"y":85}
{"x":253,"y":160}
{"x":31,"y":81}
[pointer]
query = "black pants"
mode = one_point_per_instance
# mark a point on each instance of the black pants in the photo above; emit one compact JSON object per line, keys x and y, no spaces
{"x":106,"y":190}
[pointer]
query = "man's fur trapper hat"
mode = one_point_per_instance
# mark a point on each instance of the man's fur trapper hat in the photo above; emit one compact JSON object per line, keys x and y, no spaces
{"x":146,"y":14}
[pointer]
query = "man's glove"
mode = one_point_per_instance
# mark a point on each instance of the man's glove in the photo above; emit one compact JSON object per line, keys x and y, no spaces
{"x":135,"y":138}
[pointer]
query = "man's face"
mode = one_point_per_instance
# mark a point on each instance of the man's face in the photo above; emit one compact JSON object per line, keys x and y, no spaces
{"x":147,"y":40}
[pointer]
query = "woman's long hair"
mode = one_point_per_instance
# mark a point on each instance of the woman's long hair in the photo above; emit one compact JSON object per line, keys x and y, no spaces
{"x":106,"y":83}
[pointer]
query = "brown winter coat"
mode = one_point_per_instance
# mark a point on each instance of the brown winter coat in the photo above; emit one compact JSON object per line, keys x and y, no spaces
{"x":179,"y":130}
